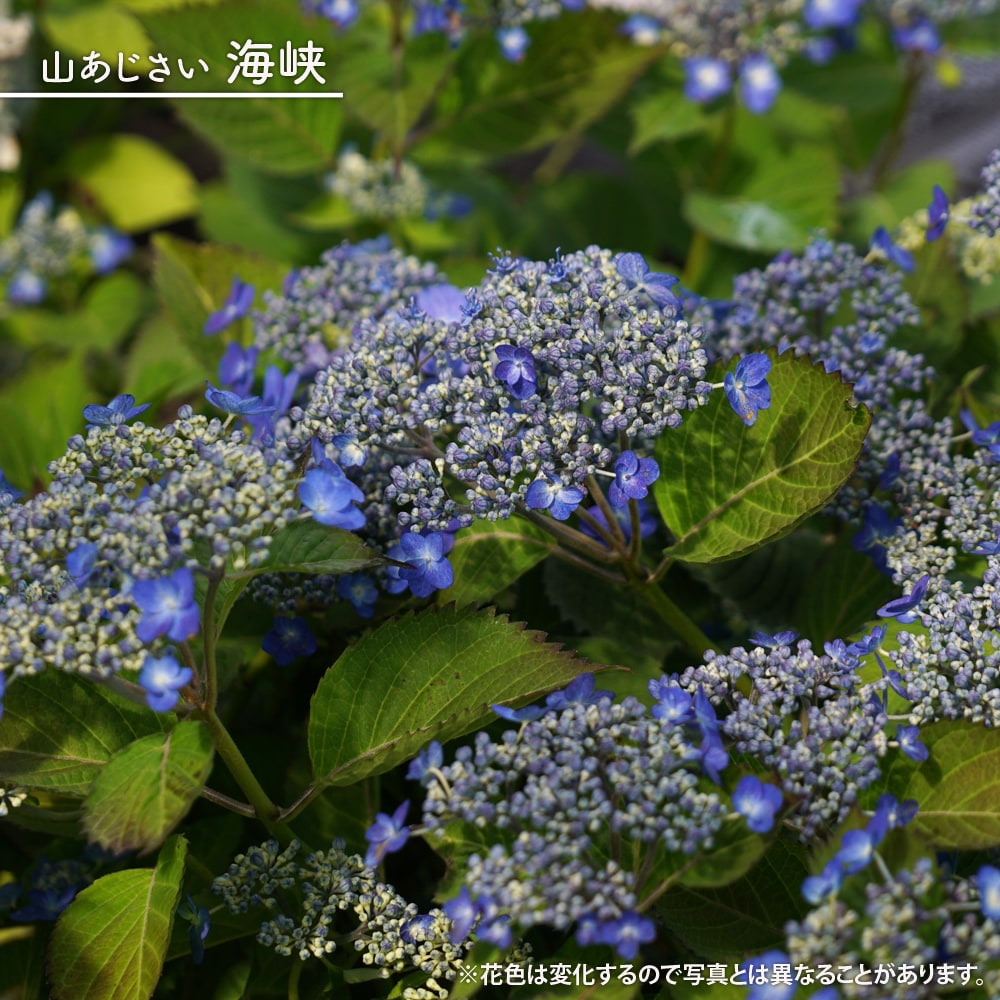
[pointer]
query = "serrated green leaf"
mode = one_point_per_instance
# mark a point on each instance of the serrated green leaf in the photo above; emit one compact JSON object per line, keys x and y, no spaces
{"x":281,"y":135}
{"x":957,"y":787}
{"x":731,"y":488}
{"x":423,"y":677}
{"x":147,"y":788}
{"x":137,"y":184}
{"x":745,"y":916}
{"x":59,"y":730}
{"x":110,"y":942}
{"x":490,"y":555}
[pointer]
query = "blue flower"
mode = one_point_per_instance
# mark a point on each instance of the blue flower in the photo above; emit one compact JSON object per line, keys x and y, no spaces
{"x":890,"y":814}
{"x":820,"y":14}
{"x":988,"y":884}
{"x":911,"y":744}
{"x":527,"y":714}
{"x":856,"y":850}
{"x":625,"y":934}
{"x":513,"y":43}
{"x":903,"y":609}
{"x":26,"y":288}
{"x":234,"y":403}
{"x":236,"y":306}
{"x":674,"y":705}
{"x":816,"y":888}
{"x":560,"y":501}
{"x":776,"y":641}
{"x":747,"y":389}
{"x":431,"y":758}
{"x":937,"y":214}
{"x":108,"y":248}
{"x":288,"y":639}
{"x":920,"y":36}
{"x":387,"y":834}
{"x":120,"y":410}
{"x":987,"y":548}
{"x":81,"y":562}
{"x":868,"y":643}
{"x":236,"y":369}
{"x":168,"y":607}
{"x":633,"y":476}
{"x":876,"y":528}
{"x":634,"y":269}
{"x":361,"y":591}
{"x":341,"y":13}
{"x":579,"y":691}
{"x":7,"y":489}
{"x":350,"y":454}
{"x":642,"y":29}
{"x":463,"y":912}
{"x":759,"y":84}
{"x":706,"y":78}
{"x":516,"y":369}
{"x":647,"y":522}
{"x":331,"y":496}
{"x":882,"y":244}
{"x":839,"y":653}
{"x":427,"y":556}
{"x":201,"y":923}
{"x":442,"y":302}
{"x":278,"y":392}
{"x":162,"y":677}
{"x":757,"y":802}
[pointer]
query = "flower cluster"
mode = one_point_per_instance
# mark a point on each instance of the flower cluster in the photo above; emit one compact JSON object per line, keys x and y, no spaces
{"x":99,"y":566}
{"x":47,"y":244}
{"x":320,"y":307}
{"x":378,"y":189}
{"x":912,"y":918}
{"x":986,"y":211}
{"x":343,"y":904}
{"x":549,"y":367}
{"x":807,"y":717}
{"x":588,"y":798}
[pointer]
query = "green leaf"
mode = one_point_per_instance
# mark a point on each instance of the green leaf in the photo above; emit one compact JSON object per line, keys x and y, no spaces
{"x":490,"y":555}
{"x":499,"y":108}
{"x":111,"y":940}
{"x":844,"y":590}
{"x":137,"y":184}
{"x":753,"y":225}
{"x":745,"y":916}
{"x":159,"y":364}
{"x":281,"y":135}
{"x":59,"y":730}
{"x":663,"y":116}
{"x":193,"y":280}
{"x":427,"y":676}
{"x":114,"y":30}
{"x":957,"y":787}
{"x":147,"y":788}
{"x":303,"y":546}
{"x":39,"y":411}
{"x":387,"y":90}
{"x":731,"y":488}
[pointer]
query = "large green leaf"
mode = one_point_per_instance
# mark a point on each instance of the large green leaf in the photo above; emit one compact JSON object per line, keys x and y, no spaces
{"x":110,"y":942}
{"x":957,"y":788}
{"x":422,"y":677}
{"x":147,"y":788}
{"x":282,"y":135}
{"x":745,"y":916}
{"x":59,"y":730}
{"x":137,"y":183}
{"x":491,"y":555}
{"x":726,"y":488}
{"x":664,"y":115}
{"x":498,"y":108}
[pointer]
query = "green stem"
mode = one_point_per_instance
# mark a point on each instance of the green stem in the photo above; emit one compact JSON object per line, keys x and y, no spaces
{"x":264,"y":809}
{"x":894,"y":137}
{"x":672,"y":616}
{"x":208,"y":643}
